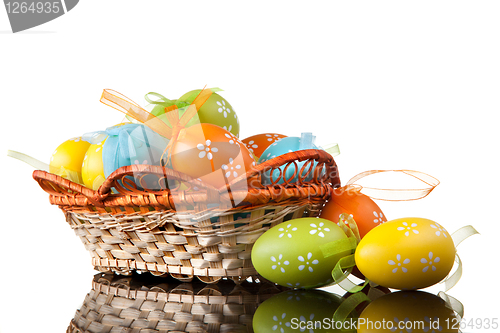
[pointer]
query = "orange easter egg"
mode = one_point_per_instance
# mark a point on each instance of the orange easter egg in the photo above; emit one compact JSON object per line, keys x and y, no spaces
{"x":258,"y":143}
{"x":211,"y":153}
{"x":365,"y":212}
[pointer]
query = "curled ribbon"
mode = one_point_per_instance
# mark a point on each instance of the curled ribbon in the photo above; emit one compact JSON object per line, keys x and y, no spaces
{"x":177,"y":123}
{"x":392,"y":194}
{"x":458,"y":236}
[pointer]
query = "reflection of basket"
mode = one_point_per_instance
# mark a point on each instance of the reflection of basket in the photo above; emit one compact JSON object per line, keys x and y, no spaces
{"x":183,"y":227}
{"x":136,"y":304}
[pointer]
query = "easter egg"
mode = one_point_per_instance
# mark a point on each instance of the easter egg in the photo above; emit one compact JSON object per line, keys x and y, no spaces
{"x":67,"y":159}
{"x":406,"y":253}
{"x":216,"y":110}
{"x":129,"y":144}
{"x":297,"y":311}
{"x":283,"y":146}
{"x":408,"y":311}
{"x":257,"y":144}
{"x":92,"y":166}
{"x":290,"y":254}
{"x":363,"y":210}
{"x":211,"y":153}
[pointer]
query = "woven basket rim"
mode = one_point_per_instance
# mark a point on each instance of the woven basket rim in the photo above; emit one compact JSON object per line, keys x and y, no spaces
{"x":64,"y":192}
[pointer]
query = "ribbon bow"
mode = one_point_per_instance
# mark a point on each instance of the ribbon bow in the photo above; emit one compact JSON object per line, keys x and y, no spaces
{"x":177,"y":123}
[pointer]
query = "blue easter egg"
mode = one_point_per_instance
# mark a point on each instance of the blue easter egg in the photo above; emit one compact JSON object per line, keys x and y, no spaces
{"x":283,"y":146}
{"x":131,"y":144}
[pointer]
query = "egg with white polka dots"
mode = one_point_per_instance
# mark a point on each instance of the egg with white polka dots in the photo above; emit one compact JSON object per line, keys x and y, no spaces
{"x":406,"y":253}
{"x":290,"y":173}
{"x":290,"y":253}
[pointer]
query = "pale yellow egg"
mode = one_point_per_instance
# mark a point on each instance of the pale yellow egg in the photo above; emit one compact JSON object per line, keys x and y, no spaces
{"x":92,"y":166}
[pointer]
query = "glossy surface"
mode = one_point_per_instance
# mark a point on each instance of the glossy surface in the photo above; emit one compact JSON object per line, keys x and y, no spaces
{"x":408,"y":311}
{"x":296,"y":311}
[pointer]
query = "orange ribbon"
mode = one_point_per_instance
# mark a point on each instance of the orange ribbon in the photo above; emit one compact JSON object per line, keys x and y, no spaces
{"x":123,"y":104}
{"x":393,"y":194}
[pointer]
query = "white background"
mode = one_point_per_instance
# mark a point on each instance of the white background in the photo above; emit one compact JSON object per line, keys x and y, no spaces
{"x":397,"y":84}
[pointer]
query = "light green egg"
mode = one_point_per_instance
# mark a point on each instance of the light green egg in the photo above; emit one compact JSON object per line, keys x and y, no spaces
{"x":297,"y":311}
{"x":290,"y":253}
{"x":216,"y":110}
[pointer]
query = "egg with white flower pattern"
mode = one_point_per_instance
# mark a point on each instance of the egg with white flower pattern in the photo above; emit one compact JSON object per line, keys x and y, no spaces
{"x":216,"y":110}
{"x":211,"y":153}
{"x":257,"y":144}
{"x":362,"y":208}
{"x":290,"y":253}
{"x":407,"y":253}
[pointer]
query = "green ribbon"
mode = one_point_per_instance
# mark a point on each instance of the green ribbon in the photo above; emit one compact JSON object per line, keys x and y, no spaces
{"x":338,"y":246}
{"x":163,"y":101}
{"x":332,"y":149}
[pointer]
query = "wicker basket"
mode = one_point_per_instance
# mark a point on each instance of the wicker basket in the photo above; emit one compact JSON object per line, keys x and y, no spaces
{"x":165,"y":222}
{"x":142,"y":304}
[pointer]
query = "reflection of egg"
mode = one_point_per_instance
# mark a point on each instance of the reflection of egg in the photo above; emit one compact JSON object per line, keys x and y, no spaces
{"x":296,"y":311}
{"x":66,"y":161}
{"x":92,"y":167}
{"x":257,"y":144}
{"x":406,"y":253}
{"x":365,"y":212}
{"x":425,"y":312}
{"x":290,"y":254}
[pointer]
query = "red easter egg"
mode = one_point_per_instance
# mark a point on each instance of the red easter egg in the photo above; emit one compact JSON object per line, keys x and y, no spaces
{"x":365,"y":212}
{"x":258,"y":143}
{"x":211,"y":153}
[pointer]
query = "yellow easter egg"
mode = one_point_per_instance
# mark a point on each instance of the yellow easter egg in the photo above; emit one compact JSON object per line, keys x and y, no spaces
{"x":407,"y":253}
{"x":67,"y":159}
{"x":92,"y":166}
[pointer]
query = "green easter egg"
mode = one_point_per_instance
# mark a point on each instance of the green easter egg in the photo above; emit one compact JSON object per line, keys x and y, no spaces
{"x":297,"y":311}
{"x":216,"y":110}
{"x":290,"y":253}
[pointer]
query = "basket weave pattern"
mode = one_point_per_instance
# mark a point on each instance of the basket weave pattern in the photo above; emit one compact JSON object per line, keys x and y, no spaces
{"x":188,"y":230}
